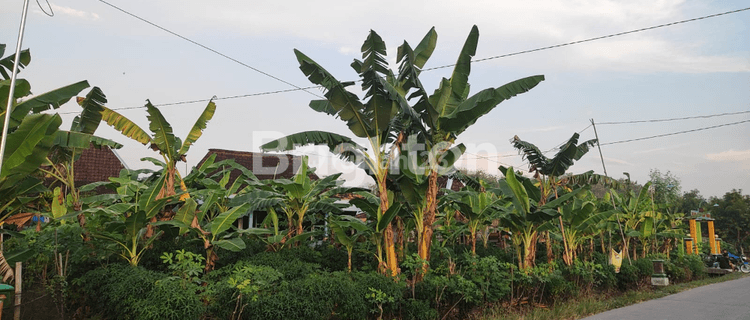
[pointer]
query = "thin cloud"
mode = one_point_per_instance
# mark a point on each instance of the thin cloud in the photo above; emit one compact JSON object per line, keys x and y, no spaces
{"x":79,"y":14}
{"x":618,"y":161}
{"x":543,"y":129}
{"x":730,"y":156}
{"x":504,"y":28}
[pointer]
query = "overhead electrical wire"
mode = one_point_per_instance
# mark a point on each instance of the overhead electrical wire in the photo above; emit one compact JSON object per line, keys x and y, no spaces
{"x":209,"y":49}
{"x":675,"y":119}
{"x":675,"y":133}
{"x":597,"y":38}
{"x":203,"y":100}
{"x":296,"y":88}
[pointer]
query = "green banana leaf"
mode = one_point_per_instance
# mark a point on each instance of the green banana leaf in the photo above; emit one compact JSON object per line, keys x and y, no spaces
{"x":198,"y":127}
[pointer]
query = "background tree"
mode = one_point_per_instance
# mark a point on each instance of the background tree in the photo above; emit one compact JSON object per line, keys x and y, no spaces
{"x":667,"y":188}
{"x":690,"y":201}
{"x":733,"y":218}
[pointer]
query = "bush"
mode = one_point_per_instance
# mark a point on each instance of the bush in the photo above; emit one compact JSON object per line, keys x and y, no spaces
{"x":124,"y":292}
{"x":449,"y":293}
{"x":382,"y":283}
{"x":635,"y":275}
{"x":316,"y":296}
{"x":586,"y":275}
{"x":490,"y":276}
{"x":418,"y":310}
{"x":236,"y":286}
{"x":693,"y":265}
{"x":288,"y":262}
{"x":645,"y":267}
{"x":628,"y":277}
{"x":676,"y":273}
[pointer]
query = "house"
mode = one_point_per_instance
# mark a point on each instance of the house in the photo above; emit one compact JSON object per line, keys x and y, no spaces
{"x":97,"y":164}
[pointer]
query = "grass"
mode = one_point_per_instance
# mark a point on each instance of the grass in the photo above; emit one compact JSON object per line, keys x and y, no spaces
{"x":597,"y":303}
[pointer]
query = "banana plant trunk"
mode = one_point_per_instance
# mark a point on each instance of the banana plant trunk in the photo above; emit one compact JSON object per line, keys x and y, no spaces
{"x":473,"y":236}
{"x":528,"y":242}
{"x":429,"y":219}
{"x":388,"y":236}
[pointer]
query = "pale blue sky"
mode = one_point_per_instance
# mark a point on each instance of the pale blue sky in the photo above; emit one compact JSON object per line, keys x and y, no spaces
{"x":690,"y":69}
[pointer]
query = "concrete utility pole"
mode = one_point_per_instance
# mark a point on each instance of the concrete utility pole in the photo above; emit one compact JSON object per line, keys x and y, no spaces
{"x":11,"y":101}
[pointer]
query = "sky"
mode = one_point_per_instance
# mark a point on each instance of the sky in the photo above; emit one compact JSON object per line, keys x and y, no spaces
{"x":700,"y":68}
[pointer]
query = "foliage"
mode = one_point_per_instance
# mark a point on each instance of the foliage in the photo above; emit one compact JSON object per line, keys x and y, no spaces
{"x":733,"y":218}
{"x":490,"y":275}
{"x":667,"y":188}
{"x":184,"y":264}
{"x":122,"y":292}
{"x":162,"y":139}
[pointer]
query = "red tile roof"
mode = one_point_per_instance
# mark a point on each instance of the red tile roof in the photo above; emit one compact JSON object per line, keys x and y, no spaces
{"x":264,"y":165}
{"x":96,"y":164}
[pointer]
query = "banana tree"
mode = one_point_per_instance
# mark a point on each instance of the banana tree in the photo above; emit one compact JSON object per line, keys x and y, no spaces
{"x":580,"y":219}
{"x":123,"y":217}
{"x":171,"y":148}
{"x":210,"y":185}
{"x":376,"y":222}
{"x":347,"y":230}
{"x":479,"y":208}
{"x":216,"y":233}
{"x":633,"y":209}
{"x":297,"y":197}
{"x":548,"y":171}
{"x":523,"y":215}
{"x":379,"y":119}
{"x":68,"y":148}
{"x":32,"y":135}
{"x":447,"y":113}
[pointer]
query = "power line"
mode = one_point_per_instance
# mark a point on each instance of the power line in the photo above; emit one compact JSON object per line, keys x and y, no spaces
{"x":486,"y":158}
{"x":427,"y":69}
{"x":677,"y":119}
{"x":208,"y":48}
{"x":205,"y":100}
{"x":558,"y":146}
{"x":676,"y":133}
{"x":596,"y":38}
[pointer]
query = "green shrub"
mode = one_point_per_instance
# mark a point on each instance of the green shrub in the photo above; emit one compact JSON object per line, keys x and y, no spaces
{"x":449,"y":293}
{"x":606,"y":277}
{"x":627,"y":278}
{"x":383,"y":283}
{"x":693,"y":265}
{"x":332,"y":258}
{"x":490,"y":276}
{"x":287,"y":262}
{"x":635,"y":275}
{"x":124,"y":292}
{"x":583,"y":275}
{"x":316,"y":296}
{"x":418,"y":310}
{"x":151,"y":258}
{"x":676,"y":273}
{"x":645,"y":267}
{"x":170,"y":298}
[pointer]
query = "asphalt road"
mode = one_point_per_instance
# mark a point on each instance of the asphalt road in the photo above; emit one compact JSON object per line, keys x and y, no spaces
{"x":720,"y":301}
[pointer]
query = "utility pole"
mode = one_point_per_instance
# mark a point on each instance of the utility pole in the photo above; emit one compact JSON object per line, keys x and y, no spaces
{"x":11,"y":100}
{"x":622,"y":234}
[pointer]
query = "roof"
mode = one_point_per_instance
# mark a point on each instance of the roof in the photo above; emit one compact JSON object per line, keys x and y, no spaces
{"x":456,"y":184}
{"x":265,"y":166}
{"x":96,"y":164}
